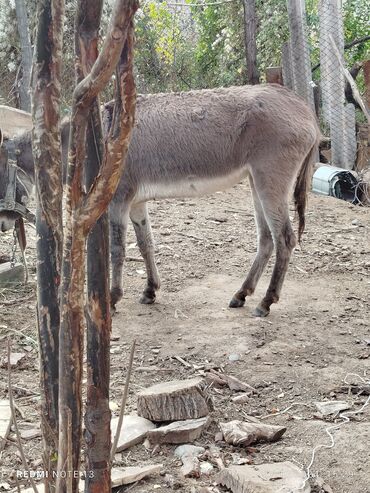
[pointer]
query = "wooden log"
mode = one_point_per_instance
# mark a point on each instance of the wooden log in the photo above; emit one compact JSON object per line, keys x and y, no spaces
{"x":174,"y":401}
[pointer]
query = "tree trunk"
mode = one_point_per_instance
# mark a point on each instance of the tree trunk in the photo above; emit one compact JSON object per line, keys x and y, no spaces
{"x":48,"y":175}
{"x":26,"y":54}
{"x":250,"y":34}
{"x":82,"y":212}
{"x":98,"y":319}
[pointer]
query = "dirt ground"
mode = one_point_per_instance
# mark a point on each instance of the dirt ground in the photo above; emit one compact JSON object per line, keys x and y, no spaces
{"x":315,"y":341}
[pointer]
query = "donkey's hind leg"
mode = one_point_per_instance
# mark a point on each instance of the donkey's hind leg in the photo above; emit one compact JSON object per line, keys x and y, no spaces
{"x":264,"y":251}
{"x":140,"y":219}
{"x":276,"y":210}
{"x":118,"y":219}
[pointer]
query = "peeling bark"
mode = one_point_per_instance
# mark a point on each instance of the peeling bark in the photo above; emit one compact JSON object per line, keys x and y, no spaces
{"x":82,"y":212}
{"x":48,"y":173}
{"x":98,"y":319}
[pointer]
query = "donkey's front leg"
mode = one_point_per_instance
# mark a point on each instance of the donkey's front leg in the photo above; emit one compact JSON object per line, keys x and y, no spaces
{"x":118,"y":219}
{"x":140,"y":219}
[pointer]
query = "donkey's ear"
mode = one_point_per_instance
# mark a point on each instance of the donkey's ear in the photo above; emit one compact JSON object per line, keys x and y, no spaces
{"x":1,"y":138}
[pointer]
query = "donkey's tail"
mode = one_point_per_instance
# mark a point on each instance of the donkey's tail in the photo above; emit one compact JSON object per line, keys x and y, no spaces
{"x":302,"y":186}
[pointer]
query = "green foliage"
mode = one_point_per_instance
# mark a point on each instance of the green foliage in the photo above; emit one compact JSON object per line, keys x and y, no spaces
{"x":180,"y":48}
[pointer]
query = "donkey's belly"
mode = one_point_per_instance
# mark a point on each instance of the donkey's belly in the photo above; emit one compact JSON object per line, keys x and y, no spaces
{"x":192,"y":186}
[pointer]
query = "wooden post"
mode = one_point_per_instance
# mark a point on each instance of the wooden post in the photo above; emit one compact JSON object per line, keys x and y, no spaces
{"x":274,"y":75}
{"x":82,"y":212}
{"x":301,"y":64}
{"x":48,"y":176}
{"x":366,"y":69}
{"x":286,"y":62}
{"x":250,"y":34}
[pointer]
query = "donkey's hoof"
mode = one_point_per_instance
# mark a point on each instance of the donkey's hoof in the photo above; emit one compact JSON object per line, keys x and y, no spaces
{"x":261,"y":311}
{"x":115,"y":295}
{"x":147,"y":299}
{"x":236,"y":302}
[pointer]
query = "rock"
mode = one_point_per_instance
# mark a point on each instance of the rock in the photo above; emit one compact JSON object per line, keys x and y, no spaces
{"x":234,"y":357}
{"x":331,"y":407}
{"x":206,"y":468}
{"x":189,"y":457}
{"x":179,"y":431}
{"x":243,"y":433}
{"x":134,"y":430}
{"x":267,"y":478}
{"x":14,"y":359}
{"x":128,"y":475}
{"x":5,"y":419}
{"x":175,"y":400}
{"x":30,"y":434}
{"x":11,"y":276}
{"x":241,"y":398}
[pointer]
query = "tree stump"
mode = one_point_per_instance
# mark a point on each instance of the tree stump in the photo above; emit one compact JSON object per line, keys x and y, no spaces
{"x":174,"y":401}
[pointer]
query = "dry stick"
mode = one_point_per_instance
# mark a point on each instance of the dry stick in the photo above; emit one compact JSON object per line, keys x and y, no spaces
{"x":123,"y":402}
{"x":69,"y":455}
{"x":12,"y":409}
{"x":348,"y":76}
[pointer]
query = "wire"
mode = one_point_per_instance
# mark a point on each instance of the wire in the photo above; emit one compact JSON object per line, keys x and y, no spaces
{"x":198,"y":4}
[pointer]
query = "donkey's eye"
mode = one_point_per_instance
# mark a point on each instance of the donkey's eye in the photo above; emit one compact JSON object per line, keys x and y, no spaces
{"x":17,"y":152}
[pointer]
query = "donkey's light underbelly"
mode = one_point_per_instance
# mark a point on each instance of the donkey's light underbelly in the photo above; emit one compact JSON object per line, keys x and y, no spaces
{"x":192,"y":186}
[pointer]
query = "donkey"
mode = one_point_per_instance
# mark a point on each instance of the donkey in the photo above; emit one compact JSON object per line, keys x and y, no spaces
{"x":199,"y":142}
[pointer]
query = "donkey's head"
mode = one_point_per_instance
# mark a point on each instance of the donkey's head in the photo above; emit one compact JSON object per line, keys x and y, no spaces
{"x":16,"y":179}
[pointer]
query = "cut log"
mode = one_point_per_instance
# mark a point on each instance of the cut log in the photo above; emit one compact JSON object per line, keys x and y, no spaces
{"x":266,"y":478}
{"x":241,"y":433}
{"x":179,"y":432}
{"x":174,"y":401}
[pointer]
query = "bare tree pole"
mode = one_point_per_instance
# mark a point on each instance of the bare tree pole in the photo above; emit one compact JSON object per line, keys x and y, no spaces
{"x":84,"y":209}
{"x":250,"y":35}
{"x":97,"y":432}
{"x":48,"y":174}
{"x":26,"y":54}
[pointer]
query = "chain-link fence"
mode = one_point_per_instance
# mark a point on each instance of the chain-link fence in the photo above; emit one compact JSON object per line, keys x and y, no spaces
{"x":328,"y":93}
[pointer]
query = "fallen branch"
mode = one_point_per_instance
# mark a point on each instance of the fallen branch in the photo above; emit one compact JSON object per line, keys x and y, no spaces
{"x":351,"y":81}
{"x":123,"y":402}
{"x":233,"y":382}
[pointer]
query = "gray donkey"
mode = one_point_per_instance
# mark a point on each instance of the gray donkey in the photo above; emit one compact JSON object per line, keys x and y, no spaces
{"x":195,"y":143}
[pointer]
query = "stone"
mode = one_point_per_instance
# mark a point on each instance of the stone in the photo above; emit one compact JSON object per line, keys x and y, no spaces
{"x":189,"y":457}
{"x":242,"y":433}
{"x":175,"y":400}
{"x":179,"y":431}
{"x":134,"y":430}
{"x":11,"y":276}
{"x":265,"y":478}
{"x":326,"y":408}
{"x":128,"y":475}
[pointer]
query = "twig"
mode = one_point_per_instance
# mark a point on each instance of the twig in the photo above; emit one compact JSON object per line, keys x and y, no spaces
{"x":190,"y":236}
{"x":182,"y":361}
{"x":12,"y":408}
{"x":134,"y":259}
{"x":123,"y":402}
{"x":348,"y":76}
